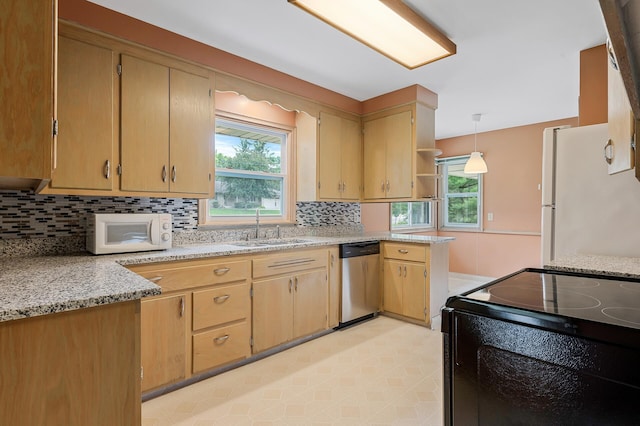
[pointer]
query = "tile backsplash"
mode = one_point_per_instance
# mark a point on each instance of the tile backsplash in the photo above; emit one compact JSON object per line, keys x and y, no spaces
{"x":25,"y":215}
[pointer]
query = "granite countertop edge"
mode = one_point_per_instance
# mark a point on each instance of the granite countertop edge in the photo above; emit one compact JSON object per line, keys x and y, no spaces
{"x":615,"y":266}
{"x":34,"y":286}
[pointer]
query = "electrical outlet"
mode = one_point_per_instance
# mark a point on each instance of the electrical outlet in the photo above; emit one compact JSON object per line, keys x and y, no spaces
{"x":490,"y":217}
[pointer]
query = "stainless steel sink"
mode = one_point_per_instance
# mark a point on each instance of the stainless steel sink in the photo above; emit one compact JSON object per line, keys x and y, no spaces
{"x":273,"y":242}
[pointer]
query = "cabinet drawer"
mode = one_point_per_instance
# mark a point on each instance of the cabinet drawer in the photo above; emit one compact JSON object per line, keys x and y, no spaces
{"x":221,"y":304}
{"x":182,"y":277}
{"x":286,"y":263}
{"x":411,"y":252}
{"x":220,"y":346}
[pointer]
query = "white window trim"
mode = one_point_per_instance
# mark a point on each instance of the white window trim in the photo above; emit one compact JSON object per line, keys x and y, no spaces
{"x":445,"y":225}
{"x":288,"y":167}
{"x":413,"y":228}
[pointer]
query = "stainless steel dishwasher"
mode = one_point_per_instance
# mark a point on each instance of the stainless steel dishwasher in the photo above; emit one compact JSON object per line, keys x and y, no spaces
{"x":360,"y":264}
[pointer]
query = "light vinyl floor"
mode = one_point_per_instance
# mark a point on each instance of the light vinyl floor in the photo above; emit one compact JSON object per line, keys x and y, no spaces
{"x":380,"y":372}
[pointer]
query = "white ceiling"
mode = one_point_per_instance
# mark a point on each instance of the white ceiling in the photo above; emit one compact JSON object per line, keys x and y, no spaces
{"x":517,"y":60}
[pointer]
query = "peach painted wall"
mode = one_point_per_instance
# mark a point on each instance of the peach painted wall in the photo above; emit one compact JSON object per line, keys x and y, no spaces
{"x":375,"y":216}
{"x":511,"y":192}
{"x":593,"y":86}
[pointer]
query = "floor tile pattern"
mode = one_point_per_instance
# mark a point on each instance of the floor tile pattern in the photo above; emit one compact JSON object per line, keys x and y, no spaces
{"x":380,"y":372}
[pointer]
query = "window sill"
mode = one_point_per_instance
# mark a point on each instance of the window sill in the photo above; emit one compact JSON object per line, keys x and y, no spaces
{"x":412,"y":230}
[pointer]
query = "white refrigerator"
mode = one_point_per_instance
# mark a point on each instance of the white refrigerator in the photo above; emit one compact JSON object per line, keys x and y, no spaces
{"x":584,"y":209}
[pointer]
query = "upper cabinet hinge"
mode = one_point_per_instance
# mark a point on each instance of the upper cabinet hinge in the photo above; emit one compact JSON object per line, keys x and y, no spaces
{"x":209,"y":177}
{"x":251,"y":292}
{"x":319,"y":122}
{"x":119,"y":69}
{"x":318,"y":185}
{"x":425,"y":273}
{"x":251,"y":341}
{"x":412,"y":119}
{"x":119,"y":170}
{"x":411,"y":184}
{"x":210,"y":92}
{"x":55,"y":127}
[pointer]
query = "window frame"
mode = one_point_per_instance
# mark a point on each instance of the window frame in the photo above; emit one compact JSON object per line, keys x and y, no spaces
{"x":430,"y":226}
{"x":287,"y":173}
{"x":443,"y":165}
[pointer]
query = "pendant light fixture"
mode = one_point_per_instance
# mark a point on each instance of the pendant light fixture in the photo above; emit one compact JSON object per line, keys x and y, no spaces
{"x":475,"y":163}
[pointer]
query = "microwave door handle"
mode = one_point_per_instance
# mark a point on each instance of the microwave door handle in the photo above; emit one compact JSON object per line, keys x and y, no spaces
{"x":155,"y":231}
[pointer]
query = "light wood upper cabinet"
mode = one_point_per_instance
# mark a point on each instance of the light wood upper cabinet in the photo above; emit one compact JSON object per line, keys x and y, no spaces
{"x":618,"y":151}
{"x":163,"y":333}
{"x":166,"y":129}
{"x":28,"y":45}
{"x":388,"y":156}
{"x":191,"y":136}
{"x":85,"y":146}
{"x":144,"y":125}
{"x":340,"y":154}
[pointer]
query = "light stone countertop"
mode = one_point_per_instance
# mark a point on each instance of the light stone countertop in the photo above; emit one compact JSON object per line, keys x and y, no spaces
{"x":600,"y":265}
{"x":32,"y":286}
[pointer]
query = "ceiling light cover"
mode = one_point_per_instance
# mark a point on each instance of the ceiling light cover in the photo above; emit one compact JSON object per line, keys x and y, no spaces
{"x":388,"y":26}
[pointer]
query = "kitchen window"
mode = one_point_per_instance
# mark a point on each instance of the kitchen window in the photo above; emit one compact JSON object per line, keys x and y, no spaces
{"x":411,"y":216}
{"x":251,"y":173}
{"x":462,"y":194}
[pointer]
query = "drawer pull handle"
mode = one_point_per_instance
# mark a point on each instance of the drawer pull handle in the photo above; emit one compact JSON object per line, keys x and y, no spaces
{"x":220,"y":340}
{"x":221,"y":271}
{"x":293,"y":262}
{"x":221,"y":299}
{"x":403,"y":251}
{"x":155,"y":279}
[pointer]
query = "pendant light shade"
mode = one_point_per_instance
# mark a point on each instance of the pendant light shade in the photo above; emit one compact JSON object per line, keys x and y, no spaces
{"x":475,"y":163}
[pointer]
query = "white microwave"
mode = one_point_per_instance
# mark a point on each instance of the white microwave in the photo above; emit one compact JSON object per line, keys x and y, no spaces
{"x":128,"y":232}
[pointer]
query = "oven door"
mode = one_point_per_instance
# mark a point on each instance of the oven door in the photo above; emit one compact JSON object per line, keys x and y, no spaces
{"x":501,"y":373}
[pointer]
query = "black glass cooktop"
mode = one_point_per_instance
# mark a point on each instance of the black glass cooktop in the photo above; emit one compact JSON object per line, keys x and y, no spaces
{"x":602,"y":299}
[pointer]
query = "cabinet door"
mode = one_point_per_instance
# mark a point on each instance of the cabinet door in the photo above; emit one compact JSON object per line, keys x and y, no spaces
{"x":191,"y":133}
{"x":329,"y":140}
{"x":162,"y":340}
{"x":351,"y":159}
{"x":310,"y":302}
{"x":84,"y":149}
{"x":27,"y":45}
{"x":374,"y":163}
{"x":272,"y":312}
{"x":393,"y":278}
{"x":397,"y":131}
{"x":621,"y":124}
{"x":334,"y":287}
{"x":144,"y":125}
{"x":413,"y":290}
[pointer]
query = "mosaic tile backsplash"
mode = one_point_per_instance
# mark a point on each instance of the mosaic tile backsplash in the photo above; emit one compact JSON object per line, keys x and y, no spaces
{"x":27,"y":215}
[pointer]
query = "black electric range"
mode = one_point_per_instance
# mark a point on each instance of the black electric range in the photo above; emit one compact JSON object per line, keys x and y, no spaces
{"x":543,"y":347}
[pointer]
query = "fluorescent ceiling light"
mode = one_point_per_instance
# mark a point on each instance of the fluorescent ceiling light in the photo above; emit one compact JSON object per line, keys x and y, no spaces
{"x":388,"y":26}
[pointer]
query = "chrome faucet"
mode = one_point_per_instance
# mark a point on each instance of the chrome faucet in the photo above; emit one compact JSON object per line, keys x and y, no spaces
{"x":257,"y":224}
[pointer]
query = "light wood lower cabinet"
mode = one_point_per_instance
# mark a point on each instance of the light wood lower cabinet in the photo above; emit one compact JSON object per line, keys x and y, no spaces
{"x":290,"y":297}
{"x":286,"y":308}
{"x":201,"y":322}
{"x":211,"y":310}
{"x":72,"y":368}
{"x":406,"y":286}
{"x":163,"y":332}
